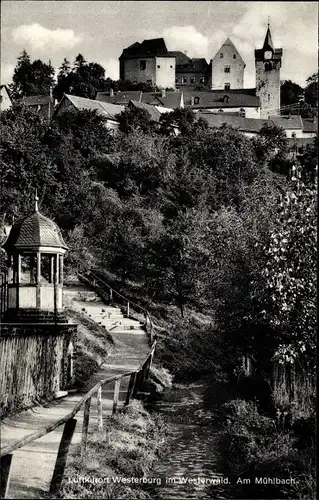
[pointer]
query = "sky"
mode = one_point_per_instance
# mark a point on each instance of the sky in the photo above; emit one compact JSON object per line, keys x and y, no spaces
{"x":99,"y":30}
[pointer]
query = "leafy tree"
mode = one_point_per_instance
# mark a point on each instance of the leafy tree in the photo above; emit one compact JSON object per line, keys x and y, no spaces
{"x":135,"y":119}
{"x":26,"y":162}
{"x":311,"y":90}
{"x":32,"y":78}
{"x":84,"y":80}
{"x":290,"y":93}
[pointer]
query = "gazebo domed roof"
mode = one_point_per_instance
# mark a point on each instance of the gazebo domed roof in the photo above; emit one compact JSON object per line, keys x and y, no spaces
{"x":34,"y":231}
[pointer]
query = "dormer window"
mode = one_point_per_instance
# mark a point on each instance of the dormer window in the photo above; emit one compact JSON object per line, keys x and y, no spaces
{"x":196,"y":100}
{"x":242,"y":112}
{"x":220,"y":111}
{"x":193,"y":79}
{"x":227,"y":69}
{"x":227,"y":86}
{"x":221,"y":55}
{"x":226,"y":98}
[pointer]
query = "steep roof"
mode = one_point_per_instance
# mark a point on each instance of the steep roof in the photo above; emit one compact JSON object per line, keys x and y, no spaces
{"x":36,"y":99}
{"x":120,"y":98}
{"x":287,"y":122}
{"x":228,"y":43}
{"x":216,"y":120}
{"x":268,"y":44}
{"x":34,"y":231}
{"x":172,"y":99}
{"x":154,"y":111}
{"x":181,"y":58}
{"x":109,"y":110}
{"x":243,"y":98}
{"x":148,"y":48}
{"x":196,"y":65}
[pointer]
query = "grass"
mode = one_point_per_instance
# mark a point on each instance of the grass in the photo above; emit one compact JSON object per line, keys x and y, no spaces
{"x":93,"y":346}
{"x":130,"y":445}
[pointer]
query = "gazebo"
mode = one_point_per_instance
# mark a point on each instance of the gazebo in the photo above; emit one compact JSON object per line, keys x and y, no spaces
{"x":35,"y":251}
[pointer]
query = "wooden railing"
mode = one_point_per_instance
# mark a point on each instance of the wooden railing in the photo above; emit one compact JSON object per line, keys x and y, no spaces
{"x":109,"y":294}
{"x":137,"y":378}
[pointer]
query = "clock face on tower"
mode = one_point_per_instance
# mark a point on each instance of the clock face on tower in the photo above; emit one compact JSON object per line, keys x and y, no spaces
{"x":268,"y":54}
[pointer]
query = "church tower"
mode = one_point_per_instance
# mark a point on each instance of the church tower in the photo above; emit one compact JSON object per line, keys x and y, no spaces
{"x":268,"y":63}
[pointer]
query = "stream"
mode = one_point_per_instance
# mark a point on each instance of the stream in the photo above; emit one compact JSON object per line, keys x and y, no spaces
{"x":190,"y":466}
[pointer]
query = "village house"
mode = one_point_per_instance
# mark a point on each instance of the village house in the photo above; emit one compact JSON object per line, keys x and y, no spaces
{"x":5,"y":99}
{"x":43,"y":104}
{"x":108,"y":110}
{"x":188,"y":71}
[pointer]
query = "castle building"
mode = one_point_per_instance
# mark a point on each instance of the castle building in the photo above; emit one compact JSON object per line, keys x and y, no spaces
{"x":227,"y":68}
{"x":148,"y":62}
{"x":268,"y":64}
{"x":190,"y":72}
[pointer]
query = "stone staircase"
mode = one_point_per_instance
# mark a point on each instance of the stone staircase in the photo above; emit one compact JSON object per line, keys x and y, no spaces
{"x":81,"y":299}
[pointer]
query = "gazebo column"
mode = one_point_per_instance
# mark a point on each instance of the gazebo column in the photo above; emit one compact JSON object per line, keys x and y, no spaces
{"x":18,"y":278}
{"x":38,"y":288}
{"x":52,"y":269}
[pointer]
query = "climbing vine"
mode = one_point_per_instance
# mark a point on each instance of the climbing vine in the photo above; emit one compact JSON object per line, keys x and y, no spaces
{"x":287,"y":298}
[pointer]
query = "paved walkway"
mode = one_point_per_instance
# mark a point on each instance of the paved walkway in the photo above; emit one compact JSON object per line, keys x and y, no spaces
{"x":32,"y":466}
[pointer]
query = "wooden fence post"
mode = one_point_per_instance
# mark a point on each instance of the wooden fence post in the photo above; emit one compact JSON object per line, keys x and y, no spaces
{"x":130,"y":388}
{"x":86,"y":417}
{"x":116,"y":395}
{"x":60,"y":463}
{"x":5,"y":466}
{"x":136,"y":384}
{"x":99,"y":409}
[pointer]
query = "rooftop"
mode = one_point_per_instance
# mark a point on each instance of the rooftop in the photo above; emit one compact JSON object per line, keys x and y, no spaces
{"x":34,"y":231}
{"x":107,"y":109}
{"x":222,"y":98}
{"x":148,"y":48}
{"x":216,"y":120}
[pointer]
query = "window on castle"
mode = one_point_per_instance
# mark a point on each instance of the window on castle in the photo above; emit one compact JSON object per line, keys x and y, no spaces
{"x":227,"y":69}
{"x":227,"y":86}
{"x":268,"y":66}
{"x":184,"y":79}
{"x":202,"y":79}
{"x":176,"y":80}
{"x":226,"y":98}
{"x":196,"y":100}
{"x":193,"y":79}
{"x":242,"y":112}
{"x":293,"y":135}
{"x":221,"y":55}
{"x":268,"y":97}
{"x":158,"y":66}
{"x":171,"y":66}
{"x":142,"y":65}
{"x":234,"y":56}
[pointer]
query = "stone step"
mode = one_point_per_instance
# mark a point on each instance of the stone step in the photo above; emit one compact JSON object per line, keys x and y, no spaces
{"x":120,"y":329}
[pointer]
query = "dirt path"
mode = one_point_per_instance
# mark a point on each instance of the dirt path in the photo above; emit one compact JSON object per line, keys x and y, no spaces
{"x":32,"y":466}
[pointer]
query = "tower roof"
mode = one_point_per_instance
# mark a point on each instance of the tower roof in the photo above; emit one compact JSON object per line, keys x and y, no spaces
{"x":34,"y":231}
{"x":268,"y":44}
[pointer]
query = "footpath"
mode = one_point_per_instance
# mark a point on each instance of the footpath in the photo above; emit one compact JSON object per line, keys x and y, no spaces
{"x":32,"y":465}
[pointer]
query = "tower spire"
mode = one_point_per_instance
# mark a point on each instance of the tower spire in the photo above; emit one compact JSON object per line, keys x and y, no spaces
{"x":268,"y":44}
